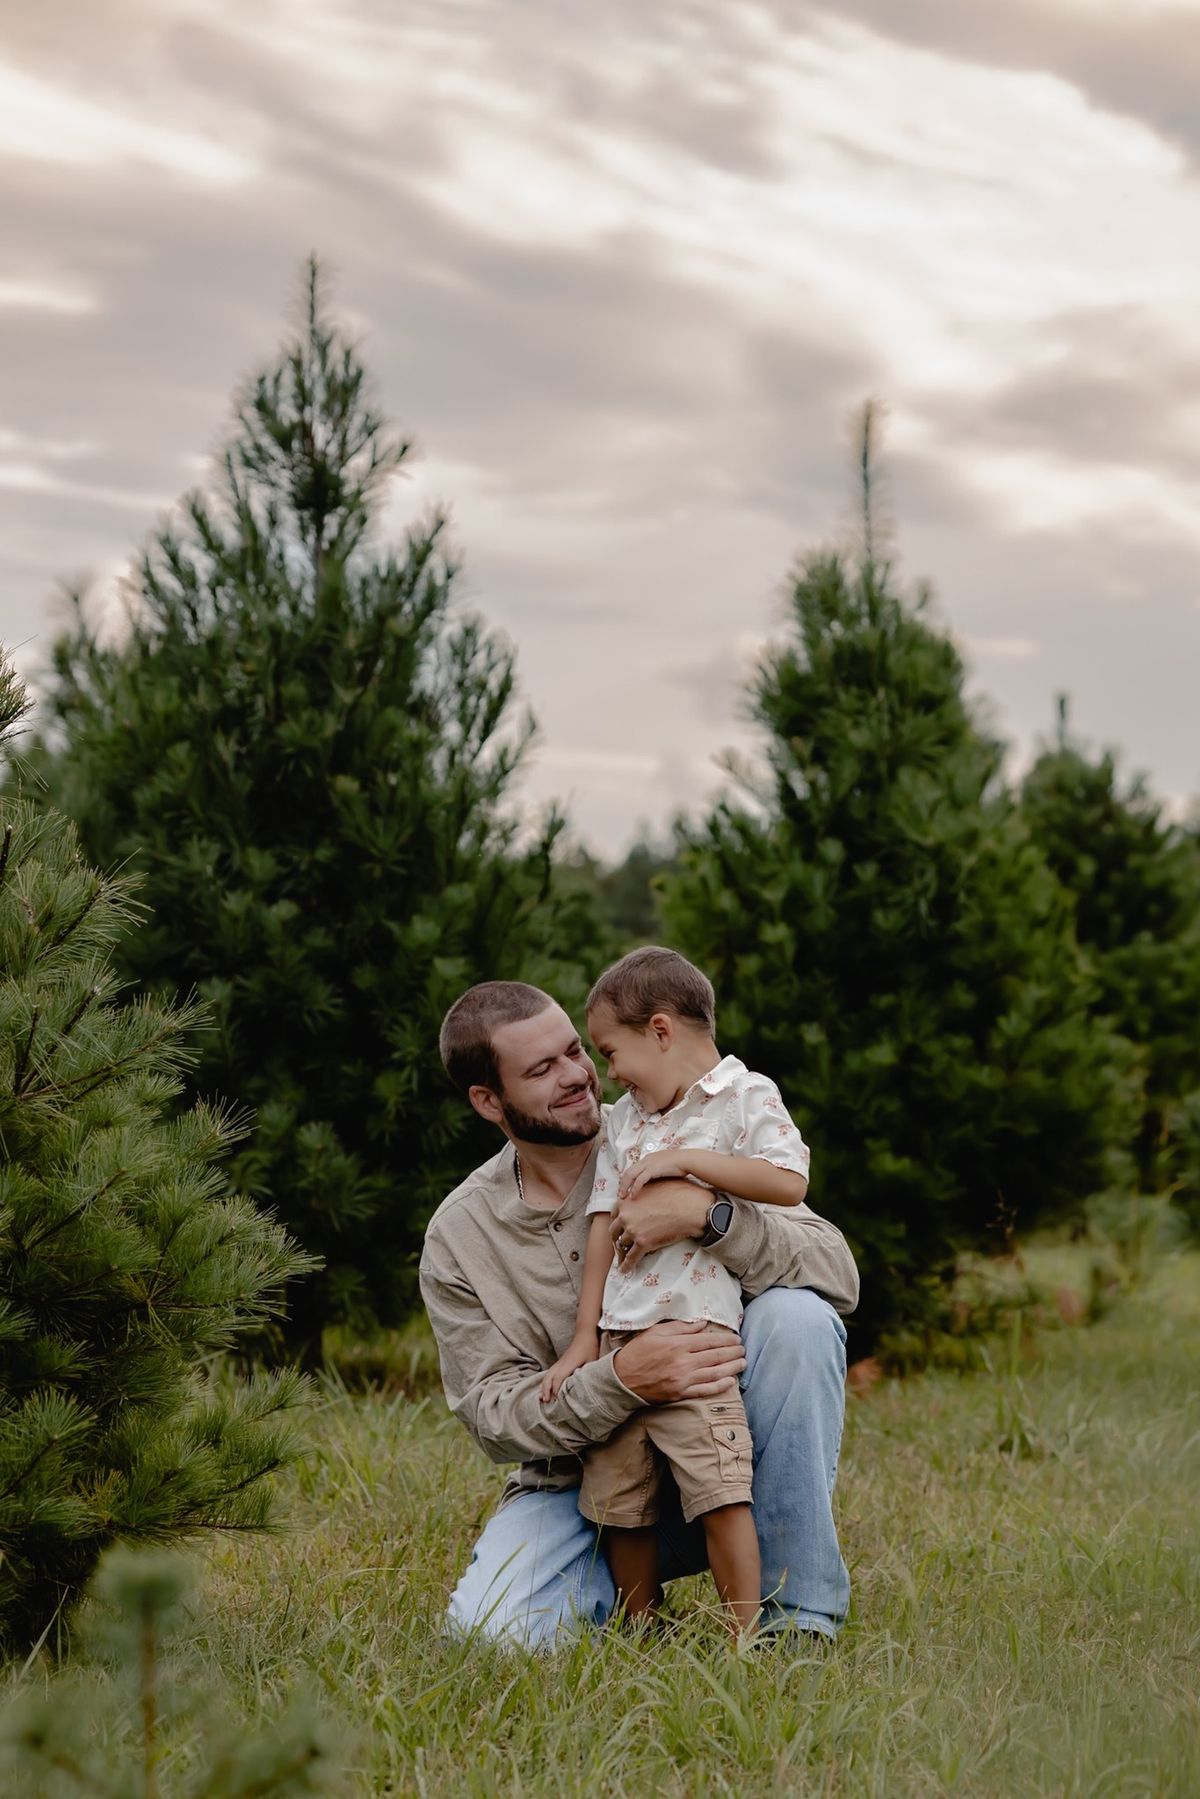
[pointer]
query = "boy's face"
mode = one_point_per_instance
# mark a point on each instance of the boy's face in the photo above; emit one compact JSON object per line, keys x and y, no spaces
{"x":640,"y":1059}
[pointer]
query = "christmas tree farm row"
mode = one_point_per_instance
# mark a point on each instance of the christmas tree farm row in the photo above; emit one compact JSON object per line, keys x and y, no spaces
{"x":980,"y":1001}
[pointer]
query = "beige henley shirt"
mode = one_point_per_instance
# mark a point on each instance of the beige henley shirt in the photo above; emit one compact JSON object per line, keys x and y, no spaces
{"x":500,"y":1280}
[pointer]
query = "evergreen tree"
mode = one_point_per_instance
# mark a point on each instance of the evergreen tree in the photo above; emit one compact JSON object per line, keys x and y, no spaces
{"x":124,"y":1258}
{"x":624,"y":896}
{"x":1135,"y":880}
{"x":888,"y":944}
{"x":65,"y":1740}
{"x":308,"y":751}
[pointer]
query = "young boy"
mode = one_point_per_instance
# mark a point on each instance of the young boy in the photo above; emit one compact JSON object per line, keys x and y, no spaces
{"x":688,"y":1112}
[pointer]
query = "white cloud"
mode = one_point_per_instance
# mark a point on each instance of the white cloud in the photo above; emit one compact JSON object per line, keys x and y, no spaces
{"x":46,"y":123}
{"x":16,"y":443}
{"x":938,"y":213}
{"x":44,"y":296}
{"x":26,"y":477}
{"x":780,"y":211}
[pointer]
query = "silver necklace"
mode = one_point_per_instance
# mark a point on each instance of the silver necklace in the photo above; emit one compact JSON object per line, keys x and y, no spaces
{"x":520,"y":1182}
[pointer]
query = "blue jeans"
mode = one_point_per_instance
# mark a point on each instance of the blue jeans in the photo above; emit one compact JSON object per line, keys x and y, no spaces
{"x":538,"y":1569}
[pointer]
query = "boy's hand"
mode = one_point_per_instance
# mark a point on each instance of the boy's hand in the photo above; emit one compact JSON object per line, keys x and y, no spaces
{"x":580,"y":1350}
{"x":663,"y":1165}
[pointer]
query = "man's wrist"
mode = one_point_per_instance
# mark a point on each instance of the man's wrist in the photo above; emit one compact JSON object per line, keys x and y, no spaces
{"x":698,"y":1223}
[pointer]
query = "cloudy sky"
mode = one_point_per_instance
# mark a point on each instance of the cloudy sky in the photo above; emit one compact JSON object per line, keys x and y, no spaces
{"x":624,"y":272}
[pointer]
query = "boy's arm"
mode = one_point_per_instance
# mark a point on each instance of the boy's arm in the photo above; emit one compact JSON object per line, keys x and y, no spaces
{"x":742,"y":1177}
{"x":585,"y":1343}
{"x":597,"y":1261}
{"x":769,"y":1164}
{"x":765,"y":1246}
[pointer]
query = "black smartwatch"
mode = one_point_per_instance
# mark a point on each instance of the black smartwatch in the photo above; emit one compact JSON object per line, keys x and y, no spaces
{"x":720,"y":1217}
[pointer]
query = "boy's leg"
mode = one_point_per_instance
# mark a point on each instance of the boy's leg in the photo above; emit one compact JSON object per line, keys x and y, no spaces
{"x":633,"y":1559}
{"x":794,"y":1389}
{"x":707,"y":1446}
{"x":732,"y":1545}
{"x":795,"y":1396}
{"x":621,"y":1482}
{"x":536,"y":1574}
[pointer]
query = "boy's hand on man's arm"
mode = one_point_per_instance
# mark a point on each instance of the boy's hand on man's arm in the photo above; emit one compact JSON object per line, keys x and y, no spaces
{"x":584,"y":1347}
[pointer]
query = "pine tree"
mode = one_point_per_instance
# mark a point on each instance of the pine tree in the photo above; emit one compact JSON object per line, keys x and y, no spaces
{"x":623,"y":895}
{"x":888,"y":944}
{"x":308,"y":751}
{"x":1135,"y":879}
{"x":124,"y":1257}
{"x":66,"y":1742}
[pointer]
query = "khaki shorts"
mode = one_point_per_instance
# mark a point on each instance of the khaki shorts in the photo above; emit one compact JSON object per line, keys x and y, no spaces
{"x":704,"y":1442}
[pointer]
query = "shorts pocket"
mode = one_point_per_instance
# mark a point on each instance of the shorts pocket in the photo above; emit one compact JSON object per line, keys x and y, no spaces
{"x":735,"y":1452}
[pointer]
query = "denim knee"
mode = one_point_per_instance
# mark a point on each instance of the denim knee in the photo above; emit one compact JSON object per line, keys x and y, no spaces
{"x":798,"y":1322}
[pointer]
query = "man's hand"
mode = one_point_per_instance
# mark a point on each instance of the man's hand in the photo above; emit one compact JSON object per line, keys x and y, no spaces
{"x":680,"y":1359}
{"x":663,"y":1165}
{"x":667,"y":1212}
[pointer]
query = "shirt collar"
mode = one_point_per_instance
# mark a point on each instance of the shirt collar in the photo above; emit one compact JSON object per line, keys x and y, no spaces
{"x":509,"y":1205}
{"x":718,"y":1080}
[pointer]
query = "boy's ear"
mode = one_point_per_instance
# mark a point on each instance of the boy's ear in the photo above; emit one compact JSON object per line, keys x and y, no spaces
{"x":662,"y":1026}
{"x":486,"y":1104}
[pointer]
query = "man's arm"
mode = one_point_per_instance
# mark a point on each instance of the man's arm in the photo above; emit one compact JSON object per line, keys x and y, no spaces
{"x":769,"y":1247}
{"x":493,"y":1387}
{"x":765,"y":1246}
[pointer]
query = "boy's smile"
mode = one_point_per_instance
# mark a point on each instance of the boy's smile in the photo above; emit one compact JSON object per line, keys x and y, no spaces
{"x":639,"y":1059}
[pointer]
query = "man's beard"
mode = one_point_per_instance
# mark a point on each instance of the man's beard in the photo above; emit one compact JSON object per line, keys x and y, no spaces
{"x":528,"y":1129}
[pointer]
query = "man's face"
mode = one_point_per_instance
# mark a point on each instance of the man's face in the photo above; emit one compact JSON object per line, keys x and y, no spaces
{"x":549,"y":1092}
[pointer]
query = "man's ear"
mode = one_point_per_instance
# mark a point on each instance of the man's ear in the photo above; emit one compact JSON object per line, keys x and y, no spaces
{"x":662,"y":1026}
{"x":486,"y":1104}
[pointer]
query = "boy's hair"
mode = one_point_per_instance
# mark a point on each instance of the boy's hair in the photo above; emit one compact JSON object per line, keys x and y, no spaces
{"x":465,"y":1039}
{"x":653,"y":980}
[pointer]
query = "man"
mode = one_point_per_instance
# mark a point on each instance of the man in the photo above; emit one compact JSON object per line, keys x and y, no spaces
{"x":500,"y":1276}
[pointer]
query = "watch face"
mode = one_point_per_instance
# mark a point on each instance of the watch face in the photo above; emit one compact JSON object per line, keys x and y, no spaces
{"x":722,"y":1215}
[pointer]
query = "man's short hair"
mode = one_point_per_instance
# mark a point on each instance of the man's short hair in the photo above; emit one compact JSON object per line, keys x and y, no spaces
{"x":651,"y":980}
{"x":465,"y":1039}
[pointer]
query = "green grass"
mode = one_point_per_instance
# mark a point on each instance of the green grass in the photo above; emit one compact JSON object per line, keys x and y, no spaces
{"x":1026,"y":1603}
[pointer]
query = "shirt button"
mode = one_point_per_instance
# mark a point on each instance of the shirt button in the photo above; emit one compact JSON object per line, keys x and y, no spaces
{"x":557,"y":1225}
{"x":574,"y":1255}
{"x":732,"y":1435}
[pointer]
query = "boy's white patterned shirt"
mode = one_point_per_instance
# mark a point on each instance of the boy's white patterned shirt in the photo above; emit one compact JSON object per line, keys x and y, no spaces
{"x":729,"y":1110}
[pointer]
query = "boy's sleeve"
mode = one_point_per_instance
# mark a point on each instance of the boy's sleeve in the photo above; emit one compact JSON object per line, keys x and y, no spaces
{"x":604,"y":1186}
{"x":766,"y":1128}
